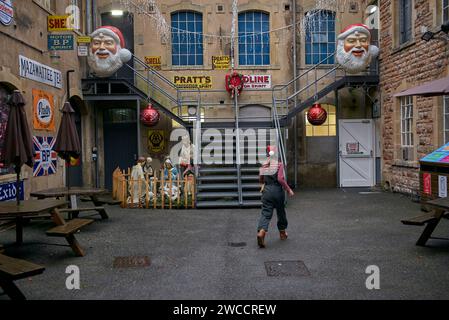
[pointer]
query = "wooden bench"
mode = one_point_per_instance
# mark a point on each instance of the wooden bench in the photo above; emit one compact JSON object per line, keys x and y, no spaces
{"x":73,"y":212}
{"x":419,"y":220}
{"x":102,"y":201}
{"x":430,"y":220}
{"x":12,"y":269}
{"x":67,"y":230}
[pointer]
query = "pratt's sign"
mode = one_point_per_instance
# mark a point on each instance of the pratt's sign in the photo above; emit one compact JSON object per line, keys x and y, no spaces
{"x":257,"y":81}
{"x":221,"y":62}
{"x":153,"y":61}
{"x":60,"y":42}
{"x":58,"y":23}
{"x":43,"y":116}
{"x":36,"y":71}
{"x":6,"y":12}
{"x":8,"y":191}
{"x":193,"y":82}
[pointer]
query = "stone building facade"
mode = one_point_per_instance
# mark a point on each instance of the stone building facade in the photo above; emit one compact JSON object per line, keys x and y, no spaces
{"x":411,"y":126}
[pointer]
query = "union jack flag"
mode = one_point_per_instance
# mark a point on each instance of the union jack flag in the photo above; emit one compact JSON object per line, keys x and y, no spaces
{"x":45,"y":158}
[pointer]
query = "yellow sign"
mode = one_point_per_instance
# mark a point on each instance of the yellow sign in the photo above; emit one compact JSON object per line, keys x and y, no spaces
{"x":193,"y":82}
{"x":83,"y":39}
{"x":221,"y":62}
{"x":44,"y":111}
{"x":58,"y":23}
{"x":156,"y":141}
{"x":153,"y":61}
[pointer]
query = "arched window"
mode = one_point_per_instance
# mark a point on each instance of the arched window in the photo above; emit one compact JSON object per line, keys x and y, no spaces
{"x":320,"y":36}
{"x":254,"y":38}
{"x":187,"y":38}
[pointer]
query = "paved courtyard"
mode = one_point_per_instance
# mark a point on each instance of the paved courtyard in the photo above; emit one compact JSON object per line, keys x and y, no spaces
{"x":201,"y":254}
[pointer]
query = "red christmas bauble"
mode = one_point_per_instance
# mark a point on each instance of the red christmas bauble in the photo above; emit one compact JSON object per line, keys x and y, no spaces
{"x":149,"y":116}
{"x":317,"y":115}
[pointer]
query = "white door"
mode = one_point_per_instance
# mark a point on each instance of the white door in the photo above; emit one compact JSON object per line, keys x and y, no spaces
{"x":356,"y":153}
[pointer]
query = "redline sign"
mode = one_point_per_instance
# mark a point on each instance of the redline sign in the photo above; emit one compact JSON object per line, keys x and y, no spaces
{"x":257,"y":81}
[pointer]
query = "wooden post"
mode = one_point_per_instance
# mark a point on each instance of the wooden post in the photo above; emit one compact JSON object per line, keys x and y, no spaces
{"x":179,"y":193}
{"x":169,"y":190}
{"x":147,"y":191}
{"x":162,"y":191}
{"x":155,"y":191}
{"x":185,"y":192}
{"x":193,"y":192}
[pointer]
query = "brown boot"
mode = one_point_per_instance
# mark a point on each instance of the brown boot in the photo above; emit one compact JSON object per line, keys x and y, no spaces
{"x":283,"y":234}
{"x":261,"y":238}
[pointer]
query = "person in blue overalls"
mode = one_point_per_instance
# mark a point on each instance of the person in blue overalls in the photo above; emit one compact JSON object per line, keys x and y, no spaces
{"x":271,"y":176}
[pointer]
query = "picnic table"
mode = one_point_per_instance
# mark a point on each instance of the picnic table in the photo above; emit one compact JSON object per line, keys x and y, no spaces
{"x":439,"y":209}
{"x":72,"y":193}
{"x":30,"y":208}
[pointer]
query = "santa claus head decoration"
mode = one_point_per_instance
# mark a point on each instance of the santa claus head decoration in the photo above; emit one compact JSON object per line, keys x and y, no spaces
{"x":316,"y":115}
{"x":107,"y":52}
{"x":354,"y":51}
{"x":149,"y":116}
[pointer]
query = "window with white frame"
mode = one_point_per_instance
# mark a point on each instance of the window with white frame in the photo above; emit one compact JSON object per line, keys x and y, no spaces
{"x":320,"y":37}
{"x":254,"y":38}
{"x":445,"y":11}
{"x":187,"y":38}
{"x":446,"y":118}
{"x":407,"y":121}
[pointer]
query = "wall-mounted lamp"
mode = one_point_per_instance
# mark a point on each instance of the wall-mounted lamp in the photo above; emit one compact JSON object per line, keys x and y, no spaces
{"x":117,"y":13}
{"x":429,"y":35}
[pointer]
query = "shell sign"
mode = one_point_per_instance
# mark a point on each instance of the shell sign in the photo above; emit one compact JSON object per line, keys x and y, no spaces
{"x":43,"y":115}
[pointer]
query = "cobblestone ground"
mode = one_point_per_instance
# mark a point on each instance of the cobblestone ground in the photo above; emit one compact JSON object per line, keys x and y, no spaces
{"x":336,"y":233}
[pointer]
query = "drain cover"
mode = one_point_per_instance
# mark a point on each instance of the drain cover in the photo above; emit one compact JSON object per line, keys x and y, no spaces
{"x":237,"y":244}
{"x":286,"y":268}
{"x":132,"y":262}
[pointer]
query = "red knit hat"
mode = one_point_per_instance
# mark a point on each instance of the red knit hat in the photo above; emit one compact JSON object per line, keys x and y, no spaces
{"x":360,"y":27}
{"x":113,"y":32}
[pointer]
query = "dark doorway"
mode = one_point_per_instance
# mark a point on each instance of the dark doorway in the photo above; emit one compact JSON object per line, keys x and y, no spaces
{"x":120,"y":140}
{"x":75,"y":173}
{"x":125,"y":24}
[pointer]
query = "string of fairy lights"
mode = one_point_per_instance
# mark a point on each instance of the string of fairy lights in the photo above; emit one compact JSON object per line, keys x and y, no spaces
{"x":151,"y":10}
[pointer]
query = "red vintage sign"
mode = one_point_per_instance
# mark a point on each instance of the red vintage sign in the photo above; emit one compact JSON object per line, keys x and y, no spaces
{"x":427,"y":183}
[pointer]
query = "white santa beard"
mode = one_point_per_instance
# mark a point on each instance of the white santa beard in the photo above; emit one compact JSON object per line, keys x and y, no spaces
{"x":105,"y":67}
{"x":350,"y":62}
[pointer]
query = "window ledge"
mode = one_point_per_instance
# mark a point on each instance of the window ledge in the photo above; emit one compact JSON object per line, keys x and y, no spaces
{"x":406,"y":164}
{"x":50,"y":12}
{"x":403,"y":46}
{"x":268,"y":67}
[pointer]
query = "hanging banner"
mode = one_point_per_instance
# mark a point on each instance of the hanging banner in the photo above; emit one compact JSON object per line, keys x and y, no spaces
{"x":257,"y":81}
{"x":60,"y":42}
{"x":44,"y":111}
{"x":193,"y":82}
{"x":8,"y":191}
{"x":156,"y":141}
{"x":58,"y":23}
{"x":45,"y":158}
{"x":153,"y":61}
{"x":221,"y":62}
{"x":442,"y":186}
{"x":39,"y":72}
{"x":427,"y":183}
{"x":6,"y":12}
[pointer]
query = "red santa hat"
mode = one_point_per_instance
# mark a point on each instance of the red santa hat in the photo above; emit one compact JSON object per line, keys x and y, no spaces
{"x":359,"y":27}
{"x":271,"y":150}
{"x":117,"y":35}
